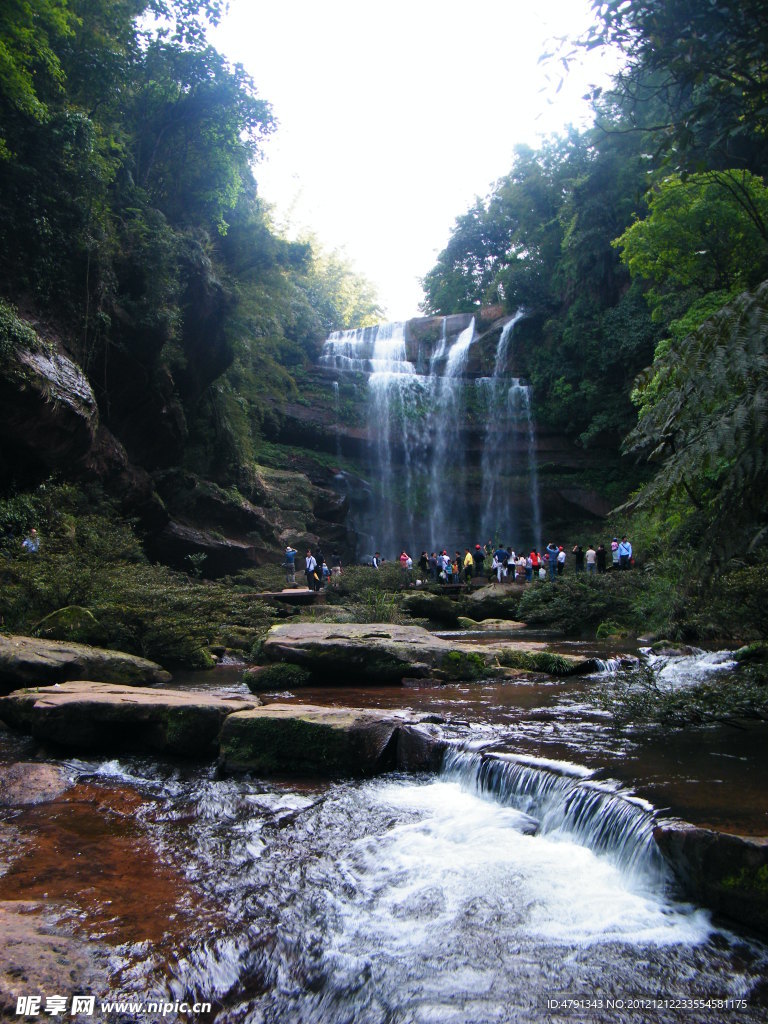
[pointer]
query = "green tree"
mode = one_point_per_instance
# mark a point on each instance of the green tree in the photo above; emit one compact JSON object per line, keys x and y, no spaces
{"x":704,"y":418}
{"x":705,"y":66}
{"x":705,"y":233}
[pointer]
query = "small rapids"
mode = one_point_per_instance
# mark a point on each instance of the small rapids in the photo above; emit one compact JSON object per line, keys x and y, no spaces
{"x":406,"y":900}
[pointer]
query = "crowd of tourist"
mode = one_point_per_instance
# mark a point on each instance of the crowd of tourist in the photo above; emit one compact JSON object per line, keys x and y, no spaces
{"x":493,"y":562}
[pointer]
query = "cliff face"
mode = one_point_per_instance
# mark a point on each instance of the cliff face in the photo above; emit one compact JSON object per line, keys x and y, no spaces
{"x":50,"y":422}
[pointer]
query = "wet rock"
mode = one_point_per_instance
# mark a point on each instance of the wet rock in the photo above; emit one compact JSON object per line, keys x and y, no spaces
{"x":31,"y":661}
{"x":27,"y":782}
{"x":83,"y":715}
{"x":347,"y":653}
{"x":755,"y":652}
{"x":38,"y":957}
{"x":290,"y":739}
{"x":727,"y":873}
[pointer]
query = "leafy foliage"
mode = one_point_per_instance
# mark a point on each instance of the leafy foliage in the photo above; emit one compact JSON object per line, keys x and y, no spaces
{"x":706,"y":419}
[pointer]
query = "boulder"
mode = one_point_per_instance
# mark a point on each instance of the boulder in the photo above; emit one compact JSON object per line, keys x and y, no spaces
{"x":435,"y":607}
{"x":291,"y":739}
{"x":50,"y":416}
{"x":727,"y":873}
{"x":354,"y":653}
{"x":31,"y":661}
{"x":84,"y":715}
{"x":492,"y":602}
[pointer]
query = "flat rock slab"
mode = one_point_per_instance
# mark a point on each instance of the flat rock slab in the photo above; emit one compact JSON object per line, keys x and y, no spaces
{"x":30,"y":661}
{"x":353,"y":653}
{"x":303,"y":739}
{"x":83,"y":715}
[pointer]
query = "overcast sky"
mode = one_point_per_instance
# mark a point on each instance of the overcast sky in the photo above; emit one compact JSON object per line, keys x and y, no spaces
{"x":393,"y":118}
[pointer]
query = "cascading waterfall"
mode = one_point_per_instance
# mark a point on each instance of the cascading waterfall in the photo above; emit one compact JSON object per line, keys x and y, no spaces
{"x":566,"y":799}
{"x":446,"y":461}
{"x":430,"y":486}
{"x":508,"y":414}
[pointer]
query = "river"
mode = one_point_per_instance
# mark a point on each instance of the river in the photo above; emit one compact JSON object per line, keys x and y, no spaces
{"x":407,"y":900}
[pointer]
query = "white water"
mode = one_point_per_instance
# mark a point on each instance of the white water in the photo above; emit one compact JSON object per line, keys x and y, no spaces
{"x":407,"y":901}
{"x":673,"y":671}
{"x":426,"y":490}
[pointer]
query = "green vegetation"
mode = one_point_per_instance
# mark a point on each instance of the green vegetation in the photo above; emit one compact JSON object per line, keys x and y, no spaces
{"x":276,"y":677}
{"x":91,"y":583}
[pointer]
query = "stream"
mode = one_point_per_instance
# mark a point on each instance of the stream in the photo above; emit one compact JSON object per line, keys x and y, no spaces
{"x":521,"y":883}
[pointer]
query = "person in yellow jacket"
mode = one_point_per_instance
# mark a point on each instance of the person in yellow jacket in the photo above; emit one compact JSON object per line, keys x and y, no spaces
{"x":469,"y":564}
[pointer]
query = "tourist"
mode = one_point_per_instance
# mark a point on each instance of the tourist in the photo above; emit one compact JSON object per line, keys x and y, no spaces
{"x":529,"y":566}
{"x":560,"y":560}
{"x":479,"y":560}
{"x":615,"y":552}
{"x":376,"y":560}
{"x":601,"y":558}
{"x":325,"y":573}
{"x":502,"y":557}
{"x":535,"y":561}
{"x":625,"y":553}
{"x":335,"y":564}
{"x":551,"y":558}
{"x":498,"y":567}
{"x":578,"y":557}
{"x":469,"y":564}
{"x":310,"y":564}
{"x":424,"y":563}
{"x":520,"y":566}
{"x":433,"y":567}
{"x":289,"y":564}
{"x":591,"y":558}
{"x":31,"y":543}
{"x":404,"y":559}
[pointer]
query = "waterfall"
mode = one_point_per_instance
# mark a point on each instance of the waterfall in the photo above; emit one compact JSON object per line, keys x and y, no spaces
{"x":453,"y":458}
{"x":508,"y":415}
{"x":566,"y":800}
{"x":446,"y":463}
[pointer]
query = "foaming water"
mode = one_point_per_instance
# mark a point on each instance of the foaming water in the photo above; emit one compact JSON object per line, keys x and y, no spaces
{"x":404,"y":900}
{"x":566,"y":801}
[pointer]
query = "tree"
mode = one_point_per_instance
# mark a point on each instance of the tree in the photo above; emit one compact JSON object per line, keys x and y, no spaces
{"x":704,"y":418}
{"x":30,"y":69}
{"x":707,"y":65}
{"x":705,"y":233}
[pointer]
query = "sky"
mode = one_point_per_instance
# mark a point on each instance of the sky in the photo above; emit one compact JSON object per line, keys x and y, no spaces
{"x":392,"y":118}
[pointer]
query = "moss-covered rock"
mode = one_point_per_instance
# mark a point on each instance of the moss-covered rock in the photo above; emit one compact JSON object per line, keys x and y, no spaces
{"x":355,"y":654}
{"x":281,"y":739}
{"x":751,"y":653}
{"x":433,"y":607}
{"x":26,"y":661}
{"x":276,"y":677}
{"x":727,"y":873}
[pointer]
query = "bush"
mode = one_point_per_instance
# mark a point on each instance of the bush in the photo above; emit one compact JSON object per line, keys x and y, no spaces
{"x":92,"y":561}
{"x":577,"y":603}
